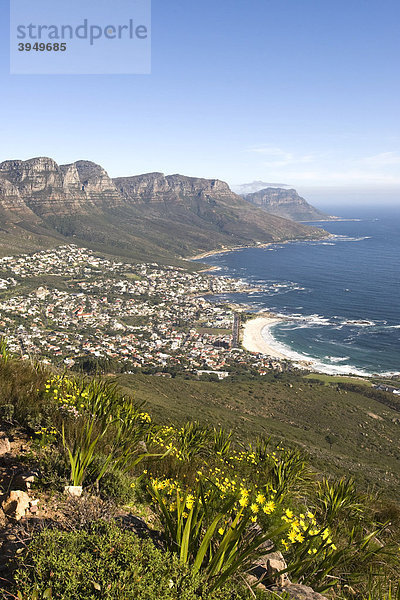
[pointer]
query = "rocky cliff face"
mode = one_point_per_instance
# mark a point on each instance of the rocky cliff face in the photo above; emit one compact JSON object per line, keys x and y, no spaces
{"x":285,"y":203}
{"x":47,"y":189}
{"x":11,"y":202}
{"x":156,"y":187}
{"x":150,"y":213}
{"x":95,"y":184}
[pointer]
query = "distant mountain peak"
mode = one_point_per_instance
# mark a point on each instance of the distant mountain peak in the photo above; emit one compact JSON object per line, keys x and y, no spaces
{"x":256,"y":186}
{"x":285,"y":203}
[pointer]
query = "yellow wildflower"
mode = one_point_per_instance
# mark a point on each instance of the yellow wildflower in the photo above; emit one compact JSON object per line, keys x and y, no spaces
{"x":190,"y":501}
{"x":292,"y":536}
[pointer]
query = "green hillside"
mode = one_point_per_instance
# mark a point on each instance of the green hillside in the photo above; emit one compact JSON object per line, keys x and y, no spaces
{"x":343,"y":431}
{"x":197,"y":486}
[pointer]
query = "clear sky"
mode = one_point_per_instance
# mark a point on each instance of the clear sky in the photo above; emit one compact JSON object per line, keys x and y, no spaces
{"x":304,"y":92}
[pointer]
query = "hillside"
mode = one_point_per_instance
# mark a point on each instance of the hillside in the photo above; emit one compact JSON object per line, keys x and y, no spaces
{"x":99,"y":493}
{"x":145,"y":216}
{"x":285,"y":203}
{"x":343,"y":424}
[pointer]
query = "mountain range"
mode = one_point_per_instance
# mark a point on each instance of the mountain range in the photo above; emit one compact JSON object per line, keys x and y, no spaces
{"x":149,"y":216}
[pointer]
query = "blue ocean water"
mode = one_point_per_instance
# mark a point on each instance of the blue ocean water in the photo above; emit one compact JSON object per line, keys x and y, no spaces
{"x":341,"y":295}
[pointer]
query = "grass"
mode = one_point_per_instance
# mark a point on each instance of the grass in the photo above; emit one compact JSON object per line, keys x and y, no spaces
{"x":332,"y":379}
{"x":340,"y":430}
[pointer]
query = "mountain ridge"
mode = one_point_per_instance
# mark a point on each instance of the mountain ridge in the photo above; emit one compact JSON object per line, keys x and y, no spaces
{"x":144,"y":215}
{"x":286,"y":203}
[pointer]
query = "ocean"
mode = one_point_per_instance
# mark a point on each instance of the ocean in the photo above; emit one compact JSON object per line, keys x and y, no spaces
{"x":341,"y":295}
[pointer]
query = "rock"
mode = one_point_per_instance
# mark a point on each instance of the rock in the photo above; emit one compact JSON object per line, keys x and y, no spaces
{"x":298,"y":592}
{"x":16,"y":504}
{"x":3,"y":519}
{"x":276,"y":563}
{"x":73,"y":490}
{"x":254,"y":582}
{"x":25,"y":480}
{"x":5,"y":445}
{"x":265,"y":570}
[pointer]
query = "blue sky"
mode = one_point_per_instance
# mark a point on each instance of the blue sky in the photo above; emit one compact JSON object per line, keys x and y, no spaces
{"x":304,"y":92}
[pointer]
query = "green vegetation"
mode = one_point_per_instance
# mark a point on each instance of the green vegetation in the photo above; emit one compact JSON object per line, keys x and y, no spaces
{"x":102,"y":561}
{"x":4,"y":352}
{"x":332,"y":379}
{"x":216,"y":487}
{"x":342,"y":430}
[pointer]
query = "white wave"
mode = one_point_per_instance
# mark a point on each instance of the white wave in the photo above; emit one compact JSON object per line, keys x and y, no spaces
{"x":345,"y":238}
{"x":309,"y":320}
{"x":337,"y":359}
{"x":389,"y":374}
{"x":311,"y":363}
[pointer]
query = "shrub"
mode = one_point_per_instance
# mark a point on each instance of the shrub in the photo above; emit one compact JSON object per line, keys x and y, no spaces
{"x":52,"y":469}
{"x":106,"y":562}
{"x":80,"y":513}
{"x":117,"y":486}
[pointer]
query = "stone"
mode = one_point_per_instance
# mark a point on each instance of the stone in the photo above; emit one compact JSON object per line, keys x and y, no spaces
{"x":275,"y":564}
{"x":25,"y":480}
{"x":16,"y":504}
{"x":266,"y":570}
{"x":73,"y":490}
{"x":142,"y":446}
{"x":5,"y":445}
{"x":3,"y":519}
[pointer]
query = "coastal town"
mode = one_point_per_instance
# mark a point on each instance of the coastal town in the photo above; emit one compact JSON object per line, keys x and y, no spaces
{"x":68,"y":306}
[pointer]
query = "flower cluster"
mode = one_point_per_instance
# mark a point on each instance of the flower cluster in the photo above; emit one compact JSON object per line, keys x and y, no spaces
{"x":304,"y":530}
{"x":46,"y":431}
{"x":46,"y":436}
{"x":217,"y":490}
{"x":67,"y":393}
{"x":144,"y":417}
{"x":164,"y":438}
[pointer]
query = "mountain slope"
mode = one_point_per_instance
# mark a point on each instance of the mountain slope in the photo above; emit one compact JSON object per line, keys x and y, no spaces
{"x":144,"y":216}
{"x":285,"y":203}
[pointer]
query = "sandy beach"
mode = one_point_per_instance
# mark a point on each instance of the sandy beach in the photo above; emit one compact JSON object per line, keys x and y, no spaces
{"x":253,"y":340}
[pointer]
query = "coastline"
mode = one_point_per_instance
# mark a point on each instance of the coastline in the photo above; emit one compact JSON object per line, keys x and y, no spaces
{"x":224,"y":250}
{"x":253,"y":340}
